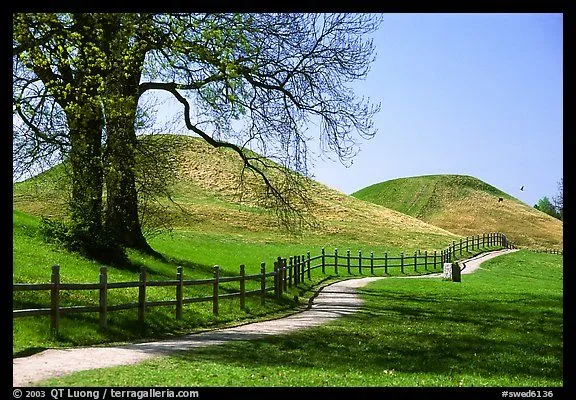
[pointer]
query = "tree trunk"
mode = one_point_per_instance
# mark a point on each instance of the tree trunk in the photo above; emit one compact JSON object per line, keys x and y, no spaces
{"x":121,"y":101}
{"x":121,"y":218}
{"x":86,"y":165}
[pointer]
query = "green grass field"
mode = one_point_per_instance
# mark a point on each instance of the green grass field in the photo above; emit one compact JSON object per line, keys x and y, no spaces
{"x":196,"y":252}
{"x":501,"y":326}
{"x":504,"y":322}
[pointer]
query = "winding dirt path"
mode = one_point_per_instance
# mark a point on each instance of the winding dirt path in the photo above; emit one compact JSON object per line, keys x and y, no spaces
{"x":333,"y":301}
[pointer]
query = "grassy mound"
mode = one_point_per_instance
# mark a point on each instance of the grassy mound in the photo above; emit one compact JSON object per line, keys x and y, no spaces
{"x":466,"y":205}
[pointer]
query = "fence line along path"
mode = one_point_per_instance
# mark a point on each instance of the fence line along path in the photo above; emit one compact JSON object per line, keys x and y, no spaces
{"x":287,"y":272}
{"x":333,"y":301}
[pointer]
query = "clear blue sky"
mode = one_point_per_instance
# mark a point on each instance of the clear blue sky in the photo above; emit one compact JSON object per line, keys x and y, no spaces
{"x":473,"y":94}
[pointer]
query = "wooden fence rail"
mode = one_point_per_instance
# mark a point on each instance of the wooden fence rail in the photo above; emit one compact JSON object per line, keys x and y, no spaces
{"x":103,"y":307}
{"x":549,"y":251}
{"x":287,"y":272}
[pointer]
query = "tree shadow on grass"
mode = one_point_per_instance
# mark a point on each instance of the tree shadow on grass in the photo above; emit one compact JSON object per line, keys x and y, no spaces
{"x":418,"y":335}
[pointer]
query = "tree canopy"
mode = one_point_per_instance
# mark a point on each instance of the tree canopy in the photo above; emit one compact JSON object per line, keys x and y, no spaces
{"x":244,"y":81}
{"x":545,"y":205}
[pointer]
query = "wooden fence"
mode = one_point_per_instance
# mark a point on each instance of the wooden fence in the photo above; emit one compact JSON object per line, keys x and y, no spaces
{"x":297,"y":267}
{"x":549,"y":251}
{"x":287,"y":272}
{"x":472,"y":243}
{"x":55,"y":287}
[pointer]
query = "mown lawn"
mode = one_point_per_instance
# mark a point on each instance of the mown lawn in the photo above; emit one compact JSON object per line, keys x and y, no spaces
{"x":196,"y":252}
{"x":501,"y":326}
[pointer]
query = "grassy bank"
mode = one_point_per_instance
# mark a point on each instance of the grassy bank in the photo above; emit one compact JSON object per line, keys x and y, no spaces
{"x":197,"y":252}
{"x":501,"y":326}
{"x":463,"y":204}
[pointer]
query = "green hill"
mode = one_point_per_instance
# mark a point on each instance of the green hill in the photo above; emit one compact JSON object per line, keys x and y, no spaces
{"x":466,"y":206}
{"x":207,"y":195}
{"x":208,"y":219}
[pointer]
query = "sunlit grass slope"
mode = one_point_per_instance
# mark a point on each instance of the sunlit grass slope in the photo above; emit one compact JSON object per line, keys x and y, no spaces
{"x":211,"y":225}
{"x":466,"y":206}
{"x":207,"y":197}
{"x":500,"y":327}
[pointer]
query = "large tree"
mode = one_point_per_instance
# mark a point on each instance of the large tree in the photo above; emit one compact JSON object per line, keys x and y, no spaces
{"x":558,"y":200}
{"x":254,"y":81}
{"x":57,"y":85}
{"x":545,"y":205}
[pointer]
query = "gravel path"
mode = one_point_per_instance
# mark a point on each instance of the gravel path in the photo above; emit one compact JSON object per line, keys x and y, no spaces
{"x":333,"y":301}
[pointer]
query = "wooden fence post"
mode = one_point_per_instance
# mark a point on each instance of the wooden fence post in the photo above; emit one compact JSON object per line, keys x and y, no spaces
{"x":282,"y":270}
{"x":280,"y":279}
{"x":55,"y":300}
{"x":460,"y":246}
{"x":348,"y":261}
{"x":216,"y":272}
{"x":336,"y":261}
{"x":386,"y":263}
{"x":308,"y":264}
{"x":402,"y":262}
{"x":276,"y":280}
{"x":434,"y":259}
{"x":142,"y":295}
{"x":297,"y":260}
{"x":323,"y":260}
{"x":262,"y":283}
{"x":415,"y":261}
{"x":425,"y":260}
{"x":290,"y":266}
{"x":284,"y":274}
{"x":303,"y":268}
{"x":360,"y":261}
{"x":103,"y":291}
{"x":179,"y":292}
{"x":372,"y":262}
{"x":242,"y":287}
{"x":297,"y":269}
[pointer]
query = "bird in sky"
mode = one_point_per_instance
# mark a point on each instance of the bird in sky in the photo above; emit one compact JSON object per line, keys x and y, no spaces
{"x":522,"y":188}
